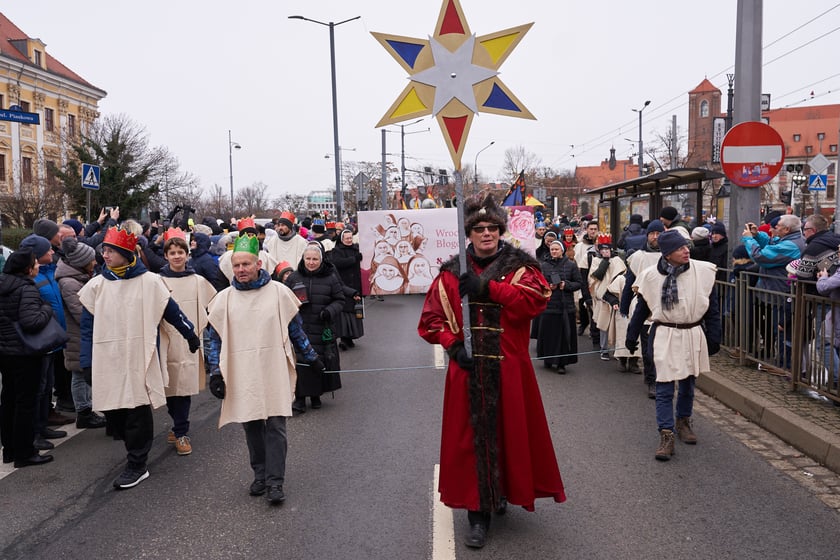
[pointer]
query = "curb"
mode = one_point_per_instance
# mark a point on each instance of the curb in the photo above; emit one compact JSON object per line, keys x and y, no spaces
{"x":818,"y":443}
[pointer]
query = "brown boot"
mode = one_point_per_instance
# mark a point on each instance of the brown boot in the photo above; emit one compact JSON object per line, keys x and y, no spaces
{"x":666,"y":445}
{"x":684,"y":431}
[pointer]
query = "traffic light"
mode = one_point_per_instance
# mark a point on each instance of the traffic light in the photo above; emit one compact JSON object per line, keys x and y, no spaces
{"x":785,"y":197}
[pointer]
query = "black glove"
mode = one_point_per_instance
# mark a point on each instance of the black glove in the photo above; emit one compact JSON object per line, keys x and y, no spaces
{"x":471,"y":285}
{"x":714,"y":348}
{"x":631,"y":345}
{"x":317,"y":366}
{"x":458,"y":353}
{"x":217,"y":386}
{"x":325,"y":315}
{"x":194,"y":343}
{"x":87,"y":375}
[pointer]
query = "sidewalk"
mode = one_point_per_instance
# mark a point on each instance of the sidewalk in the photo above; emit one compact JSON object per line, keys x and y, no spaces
{"x":808,"y":423}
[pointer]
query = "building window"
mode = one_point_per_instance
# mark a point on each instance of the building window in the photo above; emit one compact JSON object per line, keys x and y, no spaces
{"x":2,"y":168}
{"x":704,"y":109}
{"x":51,"y":178}
{"x":832,"y":148}
{"x":71,"y":126}
{"x":797,"y":137}
{"x":2,"y":102}
{"x":49,"y":119}
{"x":809,"y":149}
{"x":37,"y":57}
{"x":26,"y":169}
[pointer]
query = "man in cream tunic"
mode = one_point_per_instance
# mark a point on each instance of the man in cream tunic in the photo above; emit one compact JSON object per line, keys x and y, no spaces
{"x":679,"y":297}
{"x":254,"y":330}
{"x":119,"y":347}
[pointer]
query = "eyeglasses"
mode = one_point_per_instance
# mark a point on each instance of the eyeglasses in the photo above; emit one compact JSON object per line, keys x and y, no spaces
{"x":809,"y":229}
{"x":481,"y":229}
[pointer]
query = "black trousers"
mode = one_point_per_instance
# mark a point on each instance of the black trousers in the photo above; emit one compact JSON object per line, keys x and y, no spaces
{"x":136,"y":427}
{"x":21,"y":377}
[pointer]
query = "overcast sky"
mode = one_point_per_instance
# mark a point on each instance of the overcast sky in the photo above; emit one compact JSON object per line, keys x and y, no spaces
{"x":191,"y":70}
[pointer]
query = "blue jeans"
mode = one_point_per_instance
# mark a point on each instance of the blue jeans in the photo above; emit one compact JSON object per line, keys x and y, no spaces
{"x":665,"y":401}
{"x":179,"y":411}
{"x":80,"y":391}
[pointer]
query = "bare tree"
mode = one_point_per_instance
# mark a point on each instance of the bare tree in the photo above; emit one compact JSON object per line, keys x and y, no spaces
{"x":37,"y":195}
{"x":518,"y":159}
{"x":253,"y":199}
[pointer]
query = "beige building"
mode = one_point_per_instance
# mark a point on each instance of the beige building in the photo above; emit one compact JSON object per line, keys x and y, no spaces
{"x":32,"y":80}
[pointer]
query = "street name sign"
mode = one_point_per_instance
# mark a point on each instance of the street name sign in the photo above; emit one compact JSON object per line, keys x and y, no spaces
{"x":752,"y":154}
{"x":21,"y":117}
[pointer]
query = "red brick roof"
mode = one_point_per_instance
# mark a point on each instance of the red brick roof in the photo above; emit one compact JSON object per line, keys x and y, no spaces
{"x":704,"y":87}
{"x":594,"y":176}
{"x":806,"y":122}
{"x":10,"y":32}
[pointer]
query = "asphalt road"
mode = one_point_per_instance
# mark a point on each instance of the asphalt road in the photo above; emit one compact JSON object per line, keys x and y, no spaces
{"x":359,"y":479}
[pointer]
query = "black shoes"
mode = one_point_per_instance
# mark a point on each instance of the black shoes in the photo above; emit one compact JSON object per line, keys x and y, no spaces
{"x":33,"y":461}
{"x":41,"y":444}
{"x":89,"y":419}
{"x":581,"y":329}
{"x":49,"y":433}
{"x":299,"y":405}
{"x":561,"y":370}
{"x":651,"y":391}
{"x":316,"y":402}
{"x":479,"y":524}
{"x":130,"y":478}
{"x":257,"y":488}
{"x":276,"y":495}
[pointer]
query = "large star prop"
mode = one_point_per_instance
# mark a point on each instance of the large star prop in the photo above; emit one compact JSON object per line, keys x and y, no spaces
{"x":453,"y":75}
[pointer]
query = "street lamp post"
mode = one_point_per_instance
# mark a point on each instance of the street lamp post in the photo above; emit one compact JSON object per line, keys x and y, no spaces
{"x":641,"y":146}
{"x":475,"y":164}
{"x":231,"y":146}
{"x":338,"y":194}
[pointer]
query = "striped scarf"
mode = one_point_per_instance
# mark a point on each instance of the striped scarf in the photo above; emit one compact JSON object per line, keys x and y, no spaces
{"x":670,"y":294}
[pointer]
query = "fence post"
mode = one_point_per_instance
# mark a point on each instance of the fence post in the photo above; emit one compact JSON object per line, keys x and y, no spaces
{"x":798,"y":334}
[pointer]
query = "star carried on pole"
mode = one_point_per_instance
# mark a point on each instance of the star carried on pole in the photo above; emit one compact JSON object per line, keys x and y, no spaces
{"x":453,"y":75}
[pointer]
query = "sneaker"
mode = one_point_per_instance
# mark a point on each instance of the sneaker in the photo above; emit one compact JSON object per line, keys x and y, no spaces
{"x":182,"y":445}
{"x":605,"y":356}
{"x":257,"y":488}
{"x":276,"y":495}
{"x":170,"y":438}
{"x":90,"y":420}
{"x":130,"y":478}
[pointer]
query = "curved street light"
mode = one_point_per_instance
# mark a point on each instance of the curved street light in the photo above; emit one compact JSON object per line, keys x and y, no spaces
{"x":641,"y":146}
{"x":475,"y":164}
{"x":231,"y":146}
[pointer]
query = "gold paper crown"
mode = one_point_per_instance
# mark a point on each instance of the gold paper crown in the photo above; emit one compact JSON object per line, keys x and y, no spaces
{"x":247,"y":244}
{"x":120,"y":238}
{"x":174,"y":232}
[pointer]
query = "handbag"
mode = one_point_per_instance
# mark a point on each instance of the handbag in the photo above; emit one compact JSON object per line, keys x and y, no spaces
{"x":49,"y":338}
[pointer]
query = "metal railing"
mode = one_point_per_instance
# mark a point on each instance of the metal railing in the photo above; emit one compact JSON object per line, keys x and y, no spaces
{"x":785,"y":332}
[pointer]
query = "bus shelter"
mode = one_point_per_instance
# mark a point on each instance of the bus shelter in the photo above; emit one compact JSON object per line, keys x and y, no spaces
{"x":681,"y":188}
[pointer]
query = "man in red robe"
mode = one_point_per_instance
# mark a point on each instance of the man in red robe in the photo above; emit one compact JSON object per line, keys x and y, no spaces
{"x":495,"y":442}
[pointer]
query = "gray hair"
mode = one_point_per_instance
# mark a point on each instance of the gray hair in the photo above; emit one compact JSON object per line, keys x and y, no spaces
{"x":793,"y":223}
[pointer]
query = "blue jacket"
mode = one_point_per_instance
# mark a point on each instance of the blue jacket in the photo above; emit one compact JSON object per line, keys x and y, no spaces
{"x":50,"y":291}
{"x":204,"y":263}
{"x":772,"y":256}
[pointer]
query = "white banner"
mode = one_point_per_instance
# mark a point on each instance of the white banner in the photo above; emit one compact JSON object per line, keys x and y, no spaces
{"x":718,"y":132}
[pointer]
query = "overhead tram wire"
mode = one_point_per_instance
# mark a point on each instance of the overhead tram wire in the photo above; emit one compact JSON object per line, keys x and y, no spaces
{"x":606,"y":137}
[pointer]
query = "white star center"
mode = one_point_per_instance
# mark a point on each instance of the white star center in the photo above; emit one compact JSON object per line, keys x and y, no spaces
{"x":454,"y":74}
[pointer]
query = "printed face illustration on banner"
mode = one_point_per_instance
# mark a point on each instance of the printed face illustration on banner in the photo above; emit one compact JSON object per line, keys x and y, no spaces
{"x":402,"y":250}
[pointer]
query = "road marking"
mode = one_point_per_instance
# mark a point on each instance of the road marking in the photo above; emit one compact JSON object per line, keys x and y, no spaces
{"x":443,"y":528}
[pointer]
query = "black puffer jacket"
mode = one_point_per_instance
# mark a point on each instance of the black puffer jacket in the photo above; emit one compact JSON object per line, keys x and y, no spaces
{"x":562,"y":270}
{"x":204,"y":264}
{"x":20,"y":301}
{"x":346,"y":259}
{"x":325,"y":292}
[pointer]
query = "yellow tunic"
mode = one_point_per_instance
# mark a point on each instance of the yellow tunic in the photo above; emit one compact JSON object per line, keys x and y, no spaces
{"x":184,"y":369}
{"x":126,"y":368}
{"x":256,"y":360}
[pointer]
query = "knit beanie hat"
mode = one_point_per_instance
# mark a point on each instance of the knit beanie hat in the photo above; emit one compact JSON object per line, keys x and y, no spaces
{"x":669,"y":213}
{"x":670,"y":241}
{"x":75,"y":224}
{"x":45,"y":228}
{"x":37,"y":244}
{"x":636,"y":219}
{"x":655,"y":225}
{"x":77,"y":255}
{"x":699,"y":233}
{"x":719,"y":228}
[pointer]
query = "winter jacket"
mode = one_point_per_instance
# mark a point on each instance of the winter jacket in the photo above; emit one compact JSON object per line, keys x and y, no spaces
{"x":20,"y":301}
{"x":702,"y":250}
{"x":325,"y":293}
{"x":50,"y":292}
{"x":565,"y":270}
{"x":632,"y":239}
{"x":70,"y":281}
{"x":719,"y":256}
{"x":346,"y":259}
{"x":204,"y":263}
{"x":772,"y":256}
{"x":830,"y":287}
{"x":821,"y":252}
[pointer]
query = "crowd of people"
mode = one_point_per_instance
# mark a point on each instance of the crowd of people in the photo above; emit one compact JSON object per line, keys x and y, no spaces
{"x":297,"y":286}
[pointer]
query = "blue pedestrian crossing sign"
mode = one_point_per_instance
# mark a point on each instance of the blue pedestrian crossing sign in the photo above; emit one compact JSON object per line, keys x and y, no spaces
{"x":90,"y":176}
{"x":817,"y":182}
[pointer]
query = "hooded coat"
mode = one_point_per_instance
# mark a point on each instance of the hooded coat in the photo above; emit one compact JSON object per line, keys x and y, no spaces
{"x":204,"y":264}
{"x":70,"y":280}
{"x":20,"y":301}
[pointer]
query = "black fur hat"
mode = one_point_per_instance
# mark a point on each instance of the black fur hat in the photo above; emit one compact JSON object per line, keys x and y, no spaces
{"x":486,"y":210}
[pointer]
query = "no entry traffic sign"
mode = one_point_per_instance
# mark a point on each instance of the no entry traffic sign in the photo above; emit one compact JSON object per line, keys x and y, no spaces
{"x":752,"y":154}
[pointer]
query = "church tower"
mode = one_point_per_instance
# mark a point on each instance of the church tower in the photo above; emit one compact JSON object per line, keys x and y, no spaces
{"x":703,"y":107}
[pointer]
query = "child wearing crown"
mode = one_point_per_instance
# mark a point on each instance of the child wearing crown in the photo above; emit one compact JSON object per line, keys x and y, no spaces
{"x":122,"y":355}
{"x":193,"y":293}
